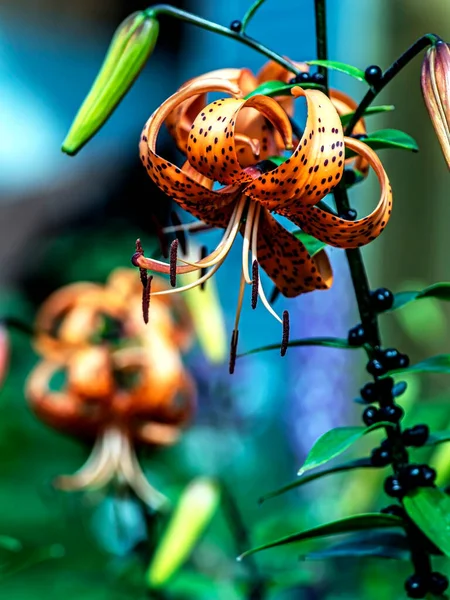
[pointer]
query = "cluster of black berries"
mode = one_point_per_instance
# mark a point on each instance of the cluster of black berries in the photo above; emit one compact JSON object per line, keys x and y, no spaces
{"x":308,"y":78}
{"x":409,"y":478}
{"x":381,"y":300}
{"x":419,"y":586}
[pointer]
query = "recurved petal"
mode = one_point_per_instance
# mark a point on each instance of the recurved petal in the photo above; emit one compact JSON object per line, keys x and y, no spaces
{"x":180,"y":120}
{"x":273,"y":71}
{"x":316,"y":165}
{"x":344,"y":104}
{"x":339,"y":232}
{"x":211,"y":145}
{"x":192,"y":196}
{"x":287,"y":262}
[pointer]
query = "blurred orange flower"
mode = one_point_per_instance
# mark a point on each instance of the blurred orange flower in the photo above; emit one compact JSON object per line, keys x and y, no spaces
{"x":125,"y":381}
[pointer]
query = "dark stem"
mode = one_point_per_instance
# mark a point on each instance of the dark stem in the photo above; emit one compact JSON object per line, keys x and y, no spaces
{"x":171,"y":11}
{"x":321,"y":38}
{"x":418,"y":46}
{"x":242,"y":542}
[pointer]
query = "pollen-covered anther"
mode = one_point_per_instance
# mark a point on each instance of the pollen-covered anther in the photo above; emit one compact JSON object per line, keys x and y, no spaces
{"x":173,"y":263}
{"x":285,"y":338}
{"x":233,"y":350}
{"x":255,"y":283}
{"x":146,"y":299}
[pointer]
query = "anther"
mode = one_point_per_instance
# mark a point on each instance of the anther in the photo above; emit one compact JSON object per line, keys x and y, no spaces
{"x":285,"y":338}
{"x":146,"y":299}
{"x":255,"y":283}
{"x":203,"y":254}
{"x":180,"y":235}
{"x":173,"y":263}
{"x":142,"y":272}
{"x":233,"y":350}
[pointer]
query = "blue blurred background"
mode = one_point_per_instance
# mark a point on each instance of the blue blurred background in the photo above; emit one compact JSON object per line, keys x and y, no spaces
{"x":64,"y":219}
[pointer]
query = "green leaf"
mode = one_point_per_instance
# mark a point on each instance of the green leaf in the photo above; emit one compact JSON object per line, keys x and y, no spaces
{"x":328,"y":342}
{"x":131,"y":46}
{"x":440,"y":291}
{"x":338,"y":66}
{"x":312,"y":244}
{"x":435,"y":364}
{"x":377,"y":544}
{"x":278,"y":88}
{"x":346,"y":525}
{"x":193,"y":513}
{"x":335,"y":442}
{"x":429,"y":508}
{"x":438,"y":437}
{"x":360,"y":463}
{"x":372,"y":110}
{"x":388,"y":138}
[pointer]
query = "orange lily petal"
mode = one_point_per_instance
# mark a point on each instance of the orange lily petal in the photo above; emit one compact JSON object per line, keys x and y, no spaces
{"x":272,"y":71}
{"x":200,"y":201}
{"x":180,"y":120}
{"x":349,"y":234}
{"x":344,"y":104}
{"x":287,"y":262}
{"x":316,"y":165}
{"x":211,"y":148}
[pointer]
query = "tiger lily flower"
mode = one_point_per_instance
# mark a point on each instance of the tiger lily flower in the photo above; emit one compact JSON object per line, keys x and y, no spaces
{"x":250,"y":194}
{"x":132,"y":391}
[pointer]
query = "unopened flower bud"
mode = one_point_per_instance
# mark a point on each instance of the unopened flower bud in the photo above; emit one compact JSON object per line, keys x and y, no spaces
{"x":128,"y":52}
{"x":436,"y":92}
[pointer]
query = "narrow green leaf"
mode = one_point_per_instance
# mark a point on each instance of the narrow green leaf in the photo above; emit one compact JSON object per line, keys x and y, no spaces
{"x":278,"y":88}
{"x":359,"y":463}
{"x":438,"y":437}
{"x":328,"y":342}
{"x":131,"y":46}
{"x":387,"y":138}
{"x":338,"y":66}
{"x":372,"y":110}
{"x":435,"y":364}
{"x":346,"y":525}
{"x":378,"y":544}
{"x":440,"y":291}
{"x":193,"y":513}
{"x":429,"y":508}
{"x":335,"y":442}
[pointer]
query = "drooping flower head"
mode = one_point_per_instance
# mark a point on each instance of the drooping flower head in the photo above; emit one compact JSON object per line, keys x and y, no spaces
{"x":253,"y":190}
{"x":125,"y":383}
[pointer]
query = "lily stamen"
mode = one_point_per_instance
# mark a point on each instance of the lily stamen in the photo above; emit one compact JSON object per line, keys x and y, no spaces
{"x":173,"y":263}
{"x":252,"y":209}
{"x":233,"y":350}
{"x":285,"y":339}
{"x":255,"y":282}
{"x":146,"y":292}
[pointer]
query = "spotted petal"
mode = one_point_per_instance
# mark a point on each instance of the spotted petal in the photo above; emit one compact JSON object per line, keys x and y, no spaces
{"x":348,"y":234}
{"x":344,"y":104}
{"x":287,"y":262}
{"x":210,"y":206}
{"x":316,"y":165}
{"x":211,"y":146}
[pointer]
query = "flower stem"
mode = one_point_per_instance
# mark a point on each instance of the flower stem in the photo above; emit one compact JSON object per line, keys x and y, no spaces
{"x":418,"y":46}
{"x":250,"y":13}
{"x":182,"y":15}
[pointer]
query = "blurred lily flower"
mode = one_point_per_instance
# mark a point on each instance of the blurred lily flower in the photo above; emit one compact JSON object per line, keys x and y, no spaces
{"x":435,"y":82}
{"x":251,"y":193}
{"x":123,"y":389}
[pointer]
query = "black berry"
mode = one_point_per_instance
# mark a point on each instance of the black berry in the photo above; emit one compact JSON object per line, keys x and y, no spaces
{"x":380,"y":457}
{"x":349,"y":177}
{"x":393,"y":487}
{"x":395,"y":510}
{"x":392,"y":413}
{"x":375,"y":368}
{"x":402,"y":361}
{"x":438,"y":583}
{"x":416,"y":436}
{"x":381,"y":299}
{"x":370,"y":415}
{"x":373,"y":74}
{"x":350,"y":214}
{"x":318,"y":78}
{"x":356,"y":336}
{"x":416,"y":586}
{"x":428,"y":475}
{"x":301,"y":78}
{"x":418,"y":475}
{"x":369,"y":392}
{"x":390,"y":358}
{"x":236,"y":26}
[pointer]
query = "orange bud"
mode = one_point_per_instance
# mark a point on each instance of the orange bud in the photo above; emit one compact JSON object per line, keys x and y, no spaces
{"x":435,"y":82}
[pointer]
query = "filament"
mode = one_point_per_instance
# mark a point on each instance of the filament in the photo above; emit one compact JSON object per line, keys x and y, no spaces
{"x":247,"y":240}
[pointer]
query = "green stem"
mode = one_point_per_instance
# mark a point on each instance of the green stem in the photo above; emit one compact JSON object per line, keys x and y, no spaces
{"x":418,"y":46}
{"x":181,"y":15}
{"x":249,"y":14}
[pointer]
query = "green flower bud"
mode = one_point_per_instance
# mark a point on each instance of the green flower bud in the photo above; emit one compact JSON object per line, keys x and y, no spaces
{"x":132,"y":44}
